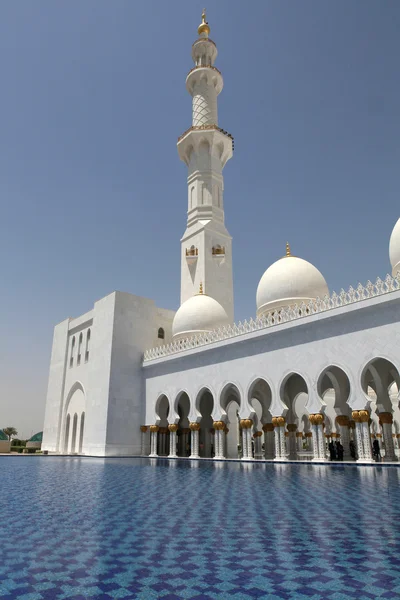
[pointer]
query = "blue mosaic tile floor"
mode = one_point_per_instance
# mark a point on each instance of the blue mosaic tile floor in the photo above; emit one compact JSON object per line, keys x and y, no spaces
{"x":76,"y":528}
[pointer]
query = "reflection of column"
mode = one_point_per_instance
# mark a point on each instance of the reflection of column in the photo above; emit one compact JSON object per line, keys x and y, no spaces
{"x":268,"y":430}
{"x":292,"y":428}
{"x":172,"y":440}
{"x":143,"y":429}
{"x":299,"y":441}
{"x":246,"y":425}
{"x":386,"y":418}
{"x":343,"y":422}
{"x":195,"y":428}
{"x":153,"y":440}
{"x":280,"y":440}
{"x":257,"y":445}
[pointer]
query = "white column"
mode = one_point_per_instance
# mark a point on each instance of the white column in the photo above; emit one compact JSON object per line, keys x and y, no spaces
{"x":246,"y":425}
{"x":153,"y":442}
{"x":277,"y":443}
{"x":172,"y":440}
{"x":194,"y":428}
{"x":363,"y":435}
{"x":387,"y":421}
{"x":282,"y":438}
{"x":315,"y":444}
{"x":318,"y":436}
{"x":321,"y":442}
{"x":359,"y":441}
{"x":299,"y":441}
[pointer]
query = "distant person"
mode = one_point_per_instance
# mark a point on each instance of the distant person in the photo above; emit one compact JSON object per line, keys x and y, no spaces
{"x":376,"y":450}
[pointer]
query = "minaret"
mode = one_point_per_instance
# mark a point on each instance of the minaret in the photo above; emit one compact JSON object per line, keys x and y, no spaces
{"x":206,"y":246}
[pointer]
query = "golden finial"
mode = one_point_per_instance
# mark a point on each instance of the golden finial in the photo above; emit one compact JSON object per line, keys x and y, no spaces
{"x":288,"y":249}
{"x":201,"y":288}
{"x":204,"y":26}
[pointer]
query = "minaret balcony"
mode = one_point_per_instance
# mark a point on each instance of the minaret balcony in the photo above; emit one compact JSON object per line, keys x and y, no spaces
{"x":192,"y":255}
{"x":191,"y":139}
{"x":218,"y":251}
{"x":212,"y":74}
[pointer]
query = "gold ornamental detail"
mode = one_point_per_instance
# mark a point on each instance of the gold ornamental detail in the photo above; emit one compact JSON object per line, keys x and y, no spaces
{"x":364,"y":416}
{"x":194,"y":426}
{"x":143,"y":428}
{"x":173,"y":427}
{"x":386,"y":417}
{"x":268,"y":427}
{"x":278,"y":421}
{"x":316,"y":419}
{"x":219,"y":425}
{"x":291,"y":427}
{"x":342,"y":420}
{"x":154,"y":428}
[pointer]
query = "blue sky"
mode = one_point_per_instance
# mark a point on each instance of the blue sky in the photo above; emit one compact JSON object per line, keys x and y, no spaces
{"x":93,"y":194}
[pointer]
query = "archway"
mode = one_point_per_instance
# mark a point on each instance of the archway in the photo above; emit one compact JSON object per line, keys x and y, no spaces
{"x":74,"y":426}
{"x":162,"y":412}
{"x":294,"y":394}
{"x":183,"y":433}
{"x":260,"y":398}
{"x":383,"y":378}
{"x":333,"y":388}
{"x":230,"y":404}
{"x":205,"y":405}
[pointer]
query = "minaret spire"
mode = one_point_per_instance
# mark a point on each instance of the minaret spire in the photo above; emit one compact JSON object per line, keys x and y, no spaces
{"x":205,"y":148}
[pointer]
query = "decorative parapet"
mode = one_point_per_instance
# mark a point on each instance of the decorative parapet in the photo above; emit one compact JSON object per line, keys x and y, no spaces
{"x":206,"y":128}
{"x":218,"y":250}
{"x":276,"y":318}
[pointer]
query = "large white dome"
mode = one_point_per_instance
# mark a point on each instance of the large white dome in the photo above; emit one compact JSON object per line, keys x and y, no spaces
{"x":394,"y":248}
{"x":199,"y":314}
{"x":288,"y":281}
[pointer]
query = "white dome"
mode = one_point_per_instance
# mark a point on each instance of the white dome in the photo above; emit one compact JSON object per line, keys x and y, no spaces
{"x":394,"y":248}
{"x":199,"y":314}
{"x":287,"y":281}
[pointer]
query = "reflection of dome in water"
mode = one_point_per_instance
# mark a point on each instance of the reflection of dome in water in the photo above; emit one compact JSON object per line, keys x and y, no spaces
{"x":289,"y":280}
{"x":199,"y":314}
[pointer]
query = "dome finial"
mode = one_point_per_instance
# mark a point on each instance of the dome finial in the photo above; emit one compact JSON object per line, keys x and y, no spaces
{"x":201,"y":288}
{"x":288,"y":249}
{"x":204,"y":26}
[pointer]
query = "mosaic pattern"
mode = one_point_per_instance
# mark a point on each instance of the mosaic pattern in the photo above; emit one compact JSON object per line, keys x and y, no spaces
{"x":74,"y":528}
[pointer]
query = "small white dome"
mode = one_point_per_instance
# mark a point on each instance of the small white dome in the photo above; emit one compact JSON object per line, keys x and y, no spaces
{"x":288,"y":281}
{"x":394,"y":248}
{"x":199,"y":314}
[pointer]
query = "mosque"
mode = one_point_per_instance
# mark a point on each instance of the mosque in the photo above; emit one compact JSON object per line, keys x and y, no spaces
{"x":130,"y":378}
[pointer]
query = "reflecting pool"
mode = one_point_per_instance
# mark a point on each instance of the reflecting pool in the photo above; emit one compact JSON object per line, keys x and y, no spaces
{"x":76,"y":528}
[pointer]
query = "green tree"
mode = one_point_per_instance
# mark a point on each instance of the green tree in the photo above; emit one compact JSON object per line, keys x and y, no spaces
{"x":10,"y":431}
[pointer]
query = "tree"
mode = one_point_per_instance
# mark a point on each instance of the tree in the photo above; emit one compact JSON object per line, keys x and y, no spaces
{"x":10,"y":431}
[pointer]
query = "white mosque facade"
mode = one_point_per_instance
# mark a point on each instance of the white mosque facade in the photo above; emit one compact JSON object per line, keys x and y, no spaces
{"x":129,"y":378}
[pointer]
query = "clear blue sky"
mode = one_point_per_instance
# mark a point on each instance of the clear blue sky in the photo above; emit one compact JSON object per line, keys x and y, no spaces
{"x":93,"y":194}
